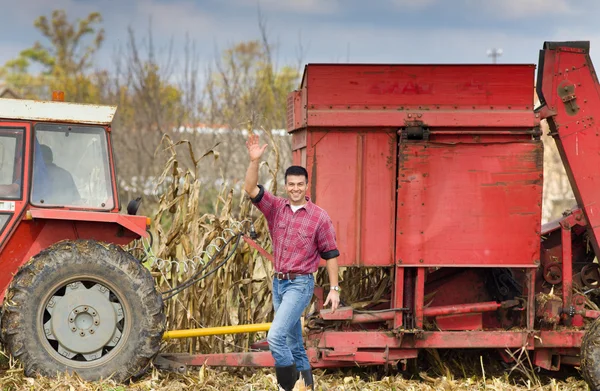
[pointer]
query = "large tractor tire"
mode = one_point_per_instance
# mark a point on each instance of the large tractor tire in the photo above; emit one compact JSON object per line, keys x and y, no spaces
{"x":590,"y":356}
{"x":83,"y":307}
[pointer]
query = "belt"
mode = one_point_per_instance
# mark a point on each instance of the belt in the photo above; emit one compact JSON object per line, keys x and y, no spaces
{"x":286,"y":276}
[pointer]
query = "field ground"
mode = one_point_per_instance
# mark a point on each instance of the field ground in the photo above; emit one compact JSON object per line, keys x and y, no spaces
{"x":456,"y":377}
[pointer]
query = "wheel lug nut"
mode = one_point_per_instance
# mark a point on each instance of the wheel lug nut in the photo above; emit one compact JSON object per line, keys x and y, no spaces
{"x":92,"y":331}
{"x":73,"y":329}
{"x":71,"y":320}
{"x":93,"y":313}
{"x":82,"y":334}
{"x":85,"y":309}
{"x":96,"y":322}
{"x":76,"y":311}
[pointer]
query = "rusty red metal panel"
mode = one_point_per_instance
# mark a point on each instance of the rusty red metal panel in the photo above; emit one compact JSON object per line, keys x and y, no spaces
{"x":398,"y":295}
{"x":352,"y":176}
{"x":419,"y":298}
{"x":460,"y":322}
{"x":356,"y":339}
{"x":294,"y":110}
{"x":466,"y":203}
{"x":380,"y":356}
{"x":475,"y":121}
{"x":135,"y":224}
{"x":339,"y":348}
{"x":568,"y":86}
{"x":496,"y":86}
{"x":29,"y":239}
{"x":447,"y":339}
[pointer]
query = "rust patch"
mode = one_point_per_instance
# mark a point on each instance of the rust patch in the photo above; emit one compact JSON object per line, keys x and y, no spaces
{"x":536,"y":156}
{"x":494,"y":184}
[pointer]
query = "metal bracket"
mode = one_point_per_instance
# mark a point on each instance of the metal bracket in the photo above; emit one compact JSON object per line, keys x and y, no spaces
{"x":566,"y":92}
{"x":415,"y":130}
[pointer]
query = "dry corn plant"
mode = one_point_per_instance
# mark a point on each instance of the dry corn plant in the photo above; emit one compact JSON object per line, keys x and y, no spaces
{"x":229,"y":285}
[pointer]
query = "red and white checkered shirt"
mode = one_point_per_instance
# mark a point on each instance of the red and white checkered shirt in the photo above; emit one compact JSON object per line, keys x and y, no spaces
{"x":300,"y":239}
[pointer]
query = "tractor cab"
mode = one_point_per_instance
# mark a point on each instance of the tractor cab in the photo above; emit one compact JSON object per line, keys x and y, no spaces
{"x":52,"y":155}
{"x":70,"y":166}
{"x":57,"y":180}
{"x":72,"y":298}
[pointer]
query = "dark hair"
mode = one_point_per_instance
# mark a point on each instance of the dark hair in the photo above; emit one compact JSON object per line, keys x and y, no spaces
{"x":296,"y":170}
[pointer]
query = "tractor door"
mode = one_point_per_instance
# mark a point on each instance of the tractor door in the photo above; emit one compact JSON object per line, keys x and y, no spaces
{"x":14,"y":182}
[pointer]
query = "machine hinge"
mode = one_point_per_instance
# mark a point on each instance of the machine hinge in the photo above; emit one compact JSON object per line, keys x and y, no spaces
{"x":414,"y":131}
{"x":566,"y":92}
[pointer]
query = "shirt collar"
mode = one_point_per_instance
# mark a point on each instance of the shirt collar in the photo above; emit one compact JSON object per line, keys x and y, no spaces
{"x":305,"y":206}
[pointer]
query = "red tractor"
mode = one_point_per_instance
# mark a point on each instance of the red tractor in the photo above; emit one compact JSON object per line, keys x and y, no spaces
{"x":72,"y":299}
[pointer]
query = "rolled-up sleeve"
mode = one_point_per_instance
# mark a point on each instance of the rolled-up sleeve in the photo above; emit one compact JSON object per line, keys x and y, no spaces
{"x":326,"y":241}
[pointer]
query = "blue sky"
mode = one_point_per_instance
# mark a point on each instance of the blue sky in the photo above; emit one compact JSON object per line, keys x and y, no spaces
{"x":388,"y":31}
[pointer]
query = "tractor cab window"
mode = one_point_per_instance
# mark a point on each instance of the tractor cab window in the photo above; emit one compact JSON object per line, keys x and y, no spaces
{"x":71,"y":167}
{"x":11,"y":163}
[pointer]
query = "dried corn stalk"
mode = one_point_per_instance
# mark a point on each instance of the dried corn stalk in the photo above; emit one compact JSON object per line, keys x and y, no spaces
{"x":185,"y":239}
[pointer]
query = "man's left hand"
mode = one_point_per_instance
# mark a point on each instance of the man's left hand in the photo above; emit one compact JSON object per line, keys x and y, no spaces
{"x":334,"y":298}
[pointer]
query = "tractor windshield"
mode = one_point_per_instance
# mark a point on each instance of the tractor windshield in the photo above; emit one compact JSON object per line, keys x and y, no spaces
{"x":71,"y":167}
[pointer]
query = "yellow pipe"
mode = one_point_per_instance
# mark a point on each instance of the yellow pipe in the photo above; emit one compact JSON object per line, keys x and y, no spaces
{"x":248,"y":328}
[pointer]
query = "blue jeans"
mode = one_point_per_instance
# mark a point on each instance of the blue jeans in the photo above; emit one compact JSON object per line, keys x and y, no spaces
{"x":290,"y":298}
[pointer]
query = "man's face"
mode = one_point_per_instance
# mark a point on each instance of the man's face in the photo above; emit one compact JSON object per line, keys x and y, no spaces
{"x":295,"y":186}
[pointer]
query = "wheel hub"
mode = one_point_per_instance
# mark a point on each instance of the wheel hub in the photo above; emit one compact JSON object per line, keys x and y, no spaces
{"x":83,"y":321}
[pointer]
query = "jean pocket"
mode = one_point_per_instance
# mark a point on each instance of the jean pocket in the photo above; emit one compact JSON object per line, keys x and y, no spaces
{"x":304,"y":284}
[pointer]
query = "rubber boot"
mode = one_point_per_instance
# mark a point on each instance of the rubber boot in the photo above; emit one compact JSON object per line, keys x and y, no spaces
{"x":307,"y":376}
{"x":286,"y":377}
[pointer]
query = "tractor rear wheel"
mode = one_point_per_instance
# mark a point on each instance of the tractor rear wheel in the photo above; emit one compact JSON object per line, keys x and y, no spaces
{"x":83,"y":307}
{"x":590,"y":355}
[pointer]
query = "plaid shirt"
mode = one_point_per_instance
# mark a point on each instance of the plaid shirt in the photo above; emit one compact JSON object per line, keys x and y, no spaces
{"x":300,"y":239}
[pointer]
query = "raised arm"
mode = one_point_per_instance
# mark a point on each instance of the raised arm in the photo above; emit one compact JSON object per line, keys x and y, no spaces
{"x":255,"y":152}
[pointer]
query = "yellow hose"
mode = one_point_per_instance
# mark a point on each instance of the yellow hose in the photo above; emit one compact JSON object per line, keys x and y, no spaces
{"x":248,"y":328}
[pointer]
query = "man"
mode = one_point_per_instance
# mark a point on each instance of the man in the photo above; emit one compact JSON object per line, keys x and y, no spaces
{"x":63,"y":189}
{"x":302,"y":233}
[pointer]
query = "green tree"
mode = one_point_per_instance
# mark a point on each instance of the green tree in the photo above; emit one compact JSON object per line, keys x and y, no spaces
{"x":64,"y":63}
